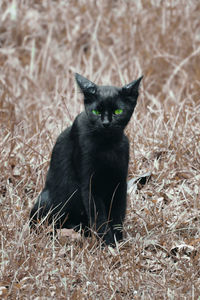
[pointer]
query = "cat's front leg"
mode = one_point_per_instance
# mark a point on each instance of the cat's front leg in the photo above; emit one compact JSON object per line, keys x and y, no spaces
{"x":118,"y":210}
{"x":97,"y":217}
{"x":96,"y":212}
{"x":101,"y":222}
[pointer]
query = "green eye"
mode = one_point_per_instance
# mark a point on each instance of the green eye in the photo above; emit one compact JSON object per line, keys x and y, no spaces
{"x":118,"y":111}
{"x":95,"y":112}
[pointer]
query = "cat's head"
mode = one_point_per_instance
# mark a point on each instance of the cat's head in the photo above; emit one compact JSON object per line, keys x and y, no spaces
{"x":109,"y":107}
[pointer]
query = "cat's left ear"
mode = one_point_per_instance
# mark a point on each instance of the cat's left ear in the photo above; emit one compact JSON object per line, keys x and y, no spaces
{"x":132,"y":89}
{"x":87,"y":87}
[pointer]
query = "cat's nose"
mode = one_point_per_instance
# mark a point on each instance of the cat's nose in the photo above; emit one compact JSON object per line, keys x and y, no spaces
{"x":106,"y":124}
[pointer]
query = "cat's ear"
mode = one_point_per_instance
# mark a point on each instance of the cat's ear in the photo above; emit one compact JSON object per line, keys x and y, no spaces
{"x":132,"y":88}
{"x":87,"y":87}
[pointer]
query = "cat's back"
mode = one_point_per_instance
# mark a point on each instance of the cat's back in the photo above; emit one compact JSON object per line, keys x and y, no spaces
{"x":62,"y":149}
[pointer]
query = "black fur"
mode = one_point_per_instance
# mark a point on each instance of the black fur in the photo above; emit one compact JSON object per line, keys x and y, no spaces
{"x":86,"y":181}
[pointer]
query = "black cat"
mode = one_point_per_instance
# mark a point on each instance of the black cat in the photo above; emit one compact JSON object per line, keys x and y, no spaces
{"x":86,"y":181}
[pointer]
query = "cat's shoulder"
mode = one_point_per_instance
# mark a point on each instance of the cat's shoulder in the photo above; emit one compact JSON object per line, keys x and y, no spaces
{"x":125,"y":144}
{"x":67,"y":133}
{"x":81,"y":119}
{"x":64,"y":134}
{"x":125,"y":139}
{"x":80,"y":122}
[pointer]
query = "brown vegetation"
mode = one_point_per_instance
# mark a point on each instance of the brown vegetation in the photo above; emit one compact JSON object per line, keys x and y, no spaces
{"x":42,"y":44}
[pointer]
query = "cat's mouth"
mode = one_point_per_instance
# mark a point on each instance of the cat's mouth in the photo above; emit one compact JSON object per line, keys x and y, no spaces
{"x":104,"y":130}
{"x":109,"y":131}
{"x":106,"y":127}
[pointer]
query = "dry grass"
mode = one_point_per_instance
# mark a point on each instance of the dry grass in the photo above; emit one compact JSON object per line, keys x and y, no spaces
{"x":42,"y":43}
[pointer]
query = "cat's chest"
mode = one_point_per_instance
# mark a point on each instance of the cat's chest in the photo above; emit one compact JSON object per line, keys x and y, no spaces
{"x":111,"y":160}
{"x":106,"y":157}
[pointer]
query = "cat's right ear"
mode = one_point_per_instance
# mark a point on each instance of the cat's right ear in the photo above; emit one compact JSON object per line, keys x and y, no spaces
{"x":87,"y":87}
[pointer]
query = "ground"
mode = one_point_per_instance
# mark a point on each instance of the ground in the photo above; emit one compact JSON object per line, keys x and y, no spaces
{"x":42,"y":44}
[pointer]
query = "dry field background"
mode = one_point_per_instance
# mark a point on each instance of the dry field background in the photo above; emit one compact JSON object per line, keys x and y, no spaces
{"x":42,"y":44}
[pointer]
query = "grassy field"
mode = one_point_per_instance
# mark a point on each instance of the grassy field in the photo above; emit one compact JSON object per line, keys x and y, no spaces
{"x":42,"y":44}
